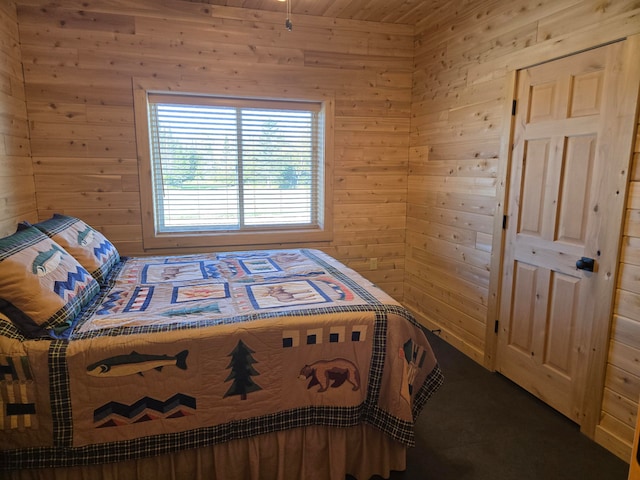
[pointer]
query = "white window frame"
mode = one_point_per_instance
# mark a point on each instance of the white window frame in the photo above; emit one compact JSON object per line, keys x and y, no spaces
{"x":154,"y":239}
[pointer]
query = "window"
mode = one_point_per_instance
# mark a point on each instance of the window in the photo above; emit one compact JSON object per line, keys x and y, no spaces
{"x":233,"y":170}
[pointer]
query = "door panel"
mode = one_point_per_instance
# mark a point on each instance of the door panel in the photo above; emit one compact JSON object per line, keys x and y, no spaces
{"x":563,"y":301}
{"x":576,"y":188}
{"x":586,"y":93}
{"x":533,"y":186}
{"x":558,"y":193}
{"x":521,"y":332}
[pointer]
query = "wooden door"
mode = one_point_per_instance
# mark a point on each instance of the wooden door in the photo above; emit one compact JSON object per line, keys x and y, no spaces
{"x":564,"y":203}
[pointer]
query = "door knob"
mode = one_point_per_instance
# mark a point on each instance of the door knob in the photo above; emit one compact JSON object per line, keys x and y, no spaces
{"x":586,"y":264}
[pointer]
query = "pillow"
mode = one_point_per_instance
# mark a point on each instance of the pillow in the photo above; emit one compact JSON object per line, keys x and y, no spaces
{"x":42,"y":287}
{"x":88,"y":246}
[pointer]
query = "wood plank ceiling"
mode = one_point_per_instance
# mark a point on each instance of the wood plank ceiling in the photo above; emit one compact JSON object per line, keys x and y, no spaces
{"x":388,"y":11}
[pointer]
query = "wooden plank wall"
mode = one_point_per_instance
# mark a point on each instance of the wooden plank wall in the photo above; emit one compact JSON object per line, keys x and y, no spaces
{"x":464,"y":53}
{"x":622,"y":385}
{"x":79,"y":59}
{"x":17,"y":198}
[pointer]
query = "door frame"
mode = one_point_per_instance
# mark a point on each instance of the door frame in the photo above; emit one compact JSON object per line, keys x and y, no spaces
{"x":599,"y":340}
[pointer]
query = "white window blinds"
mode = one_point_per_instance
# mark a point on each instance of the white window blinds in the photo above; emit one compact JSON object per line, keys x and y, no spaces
{"x":222,"y":164}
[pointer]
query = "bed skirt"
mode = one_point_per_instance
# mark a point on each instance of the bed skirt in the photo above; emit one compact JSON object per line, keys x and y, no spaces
{"x":312,"y":453}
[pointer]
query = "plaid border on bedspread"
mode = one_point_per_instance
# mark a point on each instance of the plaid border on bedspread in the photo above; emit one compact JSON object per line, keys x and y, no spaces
{"x":59,"y":394}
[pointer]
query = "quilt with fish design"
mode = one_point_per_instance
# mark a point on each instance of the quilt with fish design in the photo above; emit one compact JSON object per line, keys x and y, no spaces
{"x":186,"y":351}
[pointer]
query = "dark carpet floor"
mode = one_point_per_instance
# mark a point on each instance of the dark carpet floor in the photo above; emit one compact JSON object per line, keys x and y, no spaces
{"x":481,"y":426}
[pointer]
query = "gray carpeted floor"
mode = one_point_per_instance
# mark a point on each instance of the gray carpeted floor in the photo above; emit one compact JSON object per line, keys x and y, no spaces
{"x":481,"y":426}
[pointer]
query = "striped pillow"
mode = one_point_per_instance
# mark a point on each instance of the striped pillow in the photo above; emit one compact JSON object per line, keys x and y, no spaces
{"x":42,"y":287}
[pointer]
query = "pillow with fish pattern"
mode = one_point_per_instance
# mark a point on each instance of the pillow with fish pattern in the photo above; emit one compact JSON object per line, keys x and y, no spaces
{"x":90,"y":247}
{"x":42,"y":287}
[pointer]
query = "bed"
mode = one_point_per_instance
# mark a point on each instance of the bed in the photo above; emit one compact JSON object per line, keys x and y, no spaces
{"x":249,"y":365}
